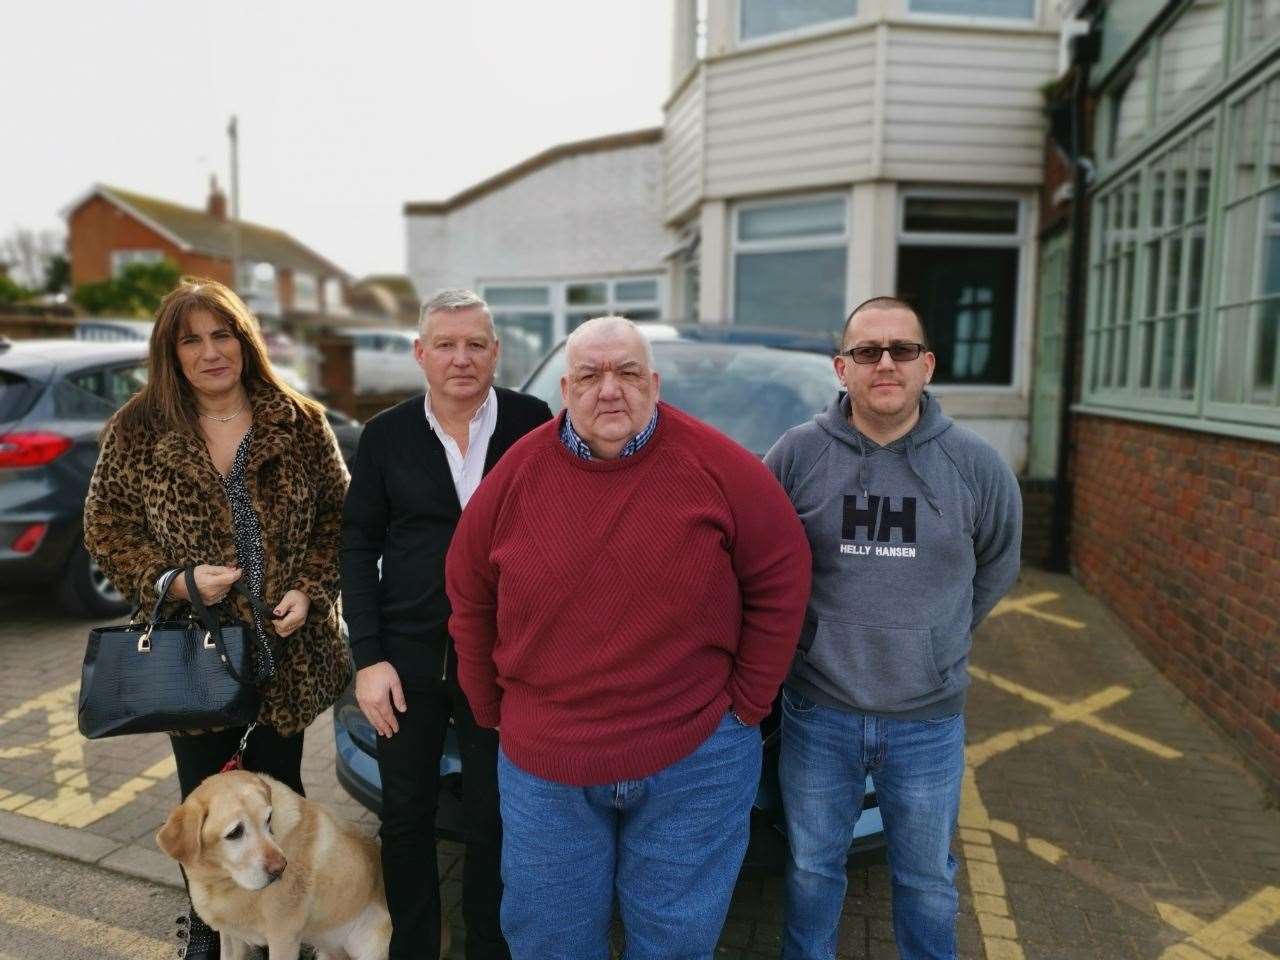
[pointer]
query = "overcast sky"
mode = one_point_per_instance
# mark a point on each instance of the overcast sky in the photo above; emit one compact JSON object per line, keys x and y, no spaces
{"x":346,"y":110}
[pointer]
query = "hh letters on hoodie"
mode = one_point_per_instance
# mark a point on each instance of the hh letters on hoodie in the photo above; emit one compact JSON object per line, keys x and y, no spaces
{"x":913,"y":543}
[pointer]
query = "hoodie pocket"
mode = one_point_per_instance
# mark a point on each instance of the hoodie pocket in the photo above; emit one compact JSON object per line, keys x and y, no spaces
{"x":874,"y":667}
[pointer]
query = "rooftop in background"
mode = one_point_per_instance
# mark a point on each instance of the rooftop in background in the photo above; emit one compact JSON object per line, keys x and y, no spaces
{"x":560,"y":151}
{"x":199,"y":231}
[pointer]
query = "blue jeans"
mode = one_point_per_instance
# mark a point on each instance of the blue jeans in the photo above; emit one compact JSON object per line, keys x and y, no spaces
{"x":670,"y":846}
{"x":917,"y":767}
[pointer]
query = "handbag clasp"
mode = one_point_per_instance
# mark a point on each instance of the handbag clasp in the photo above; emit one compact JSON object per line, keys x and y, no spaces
{"x":208,"y":641}
{"x":144,"y":641}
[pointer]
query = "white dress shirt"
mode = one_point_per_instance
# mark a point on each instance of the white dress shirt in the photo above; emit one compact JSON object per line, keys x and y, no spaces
{"x":467,"y":471}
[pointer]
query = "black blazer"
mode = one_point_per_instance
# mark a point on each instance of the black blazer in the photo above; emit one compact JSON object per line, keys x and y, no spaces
{"x":402,"y":507}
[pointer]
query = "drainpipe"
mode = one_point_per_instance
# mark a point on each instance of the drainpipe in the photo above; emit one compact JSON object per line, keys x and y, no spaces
{"x":1084,"y":52}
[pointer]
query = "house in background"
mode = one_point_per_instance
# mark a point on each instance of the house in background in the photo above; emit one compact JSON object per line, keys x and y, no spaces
{"x":389,"y":297}
{"x":286,"y":284}
{"x":568,"y":234}
{"x":1175,"y":461}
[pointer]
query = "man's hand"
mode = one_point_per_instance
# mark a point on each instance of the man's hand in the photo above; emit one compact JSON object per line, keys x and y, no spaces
{"x":379,"y":694}
{"x":213,"y":583}
{"x":291,"y":612}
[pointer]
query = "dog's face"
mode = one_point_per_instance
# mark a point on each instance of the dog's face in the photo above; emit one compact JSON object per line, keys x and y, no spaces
{"x":223,"y":829}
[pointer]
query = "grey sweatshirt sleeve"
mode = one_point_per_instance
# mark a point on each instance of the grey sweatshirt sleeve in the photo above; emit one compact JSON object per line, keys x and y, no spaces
{"x":778,"y":460}
{"x":997,"y":544}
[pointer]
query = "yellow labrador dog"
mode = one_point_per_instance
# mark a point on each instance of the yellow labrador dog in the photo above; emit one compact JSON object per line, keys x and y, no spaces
{"x":269,"y":868}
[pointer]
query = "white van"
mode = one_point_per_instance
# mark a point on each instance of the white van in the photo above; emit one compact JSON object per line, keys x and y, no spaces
{"x":383,"y":360}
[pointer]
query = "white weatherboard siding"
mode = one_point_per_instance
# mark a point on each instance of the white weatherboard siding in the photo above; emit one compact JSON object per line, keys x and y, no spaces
{"x":682,"y":152}
{"x":790,"y":118}
{"x":966,"y":106}
{"x":588,"y":215}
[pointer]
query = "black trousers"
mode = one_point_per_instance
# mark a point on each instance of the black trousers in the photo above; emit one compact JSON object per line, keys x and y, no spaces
{"x":409,"y":762}
{"x":201,"y":755}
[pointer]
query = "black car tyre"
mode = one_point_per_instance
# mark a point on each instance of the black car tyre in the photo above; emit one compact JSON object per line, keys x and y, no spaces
{"x":86,"y":590}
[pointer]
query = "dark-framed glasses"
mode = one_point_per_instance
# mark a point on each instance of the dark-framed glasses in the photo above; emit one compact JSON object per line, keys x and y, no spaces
{"x":871,"y":353}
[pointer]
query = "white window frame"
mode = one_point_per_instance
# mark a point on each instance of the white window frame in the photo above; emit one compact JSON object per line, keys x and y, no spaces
{"x":795,"y":33}
{"x":1018,"y":241}
{"x":558,"y":297}
{"x":812,"y":242}
{"x":960,"y":19}
{"x":124,"y":258}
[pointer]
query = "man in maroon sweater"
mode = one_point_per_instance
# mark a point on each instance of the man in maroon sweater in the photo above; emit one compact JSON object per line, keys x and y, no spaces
{"x":627,"y":588}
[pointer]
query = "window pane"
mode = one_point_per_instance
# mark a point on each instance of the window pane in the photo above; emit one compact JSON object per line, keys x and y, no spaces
{"x":1190,"y":54}
{"x":587,"y":293}
{"x":929,"y":215}
{"x":1011,"y":9}
{"x":1260,"y":23}
{"x":763,"y":17}
{"x":525,"y":337}
{"x":1128,"y":105}
{"x":1202,"y":173}
{"x":1190,"y":346}
{"x":572,"y":321}
{"x":1168,"y":347}
{"x":627,"y":290}
{"x":810,"y":219}
{"x":1233,"y":338}
{"x":1264,"y":352}
{"x":966,"y":297}
{"x":1245,"y":118}
{"x":517,"y":296}
{"x":1239,"y":238}
{"x":793,"y":288}
{"x":1271,"y":172}
{"x":1148,"y":351}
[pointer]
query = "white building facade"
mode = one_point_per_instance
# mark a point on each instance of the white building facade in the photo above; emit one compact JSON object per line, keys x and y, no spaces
{"x":569,"y":234}
{"x":821,"y":152}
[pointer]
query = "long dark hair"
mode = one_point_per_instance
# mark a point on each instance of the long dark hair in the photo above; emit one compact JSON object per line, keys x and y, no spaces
{"x":167,"y":401}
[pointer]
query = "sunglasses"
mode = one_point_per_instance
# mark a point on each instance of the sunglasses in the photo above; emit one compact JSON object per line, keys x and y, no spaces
{"x":898,"y":352}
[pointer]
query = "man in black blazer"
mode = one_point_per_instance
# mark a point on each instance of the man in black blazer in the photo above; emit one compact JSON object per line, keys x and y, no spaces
{"x":415,"y":469}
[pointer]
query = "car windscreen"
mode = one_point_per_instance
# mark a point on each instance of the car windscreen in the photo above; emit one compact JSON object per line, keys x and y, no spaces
{"x":17,"y":394}
{"x":751,"y":392}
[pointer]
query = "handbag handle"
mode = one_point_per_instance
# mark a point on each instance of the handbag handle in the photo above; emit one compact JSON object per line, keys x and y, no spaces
{"x":167,"y":581}
{"x":210,"y":622}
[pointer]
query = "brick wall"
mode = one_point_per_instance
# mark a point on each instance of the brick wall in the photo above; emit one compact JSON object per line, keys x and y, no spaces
{"x":97,"y":228}
{"x":1179,"y":532}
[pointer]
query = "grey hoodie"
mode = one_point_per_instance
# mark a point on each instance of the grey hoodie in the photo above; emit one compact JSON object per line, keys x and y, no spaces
{"x":913,"y":544}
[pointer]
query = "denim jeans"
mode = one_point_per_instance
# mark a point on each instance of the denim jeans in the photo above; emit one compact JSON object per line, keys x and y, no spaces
{"x":669,"y":846}
{"x":917,"y":767}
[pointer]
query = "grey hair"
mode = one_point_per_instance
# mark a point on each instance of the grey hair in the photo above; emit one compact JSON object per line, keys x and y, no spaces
{"x":609,"y":326}
{"x":450,"y":300}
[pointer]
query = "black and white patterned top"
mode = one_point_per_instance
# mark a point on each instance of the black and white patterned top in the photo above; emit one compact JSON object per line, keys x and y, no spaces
{"x":249,"y":553}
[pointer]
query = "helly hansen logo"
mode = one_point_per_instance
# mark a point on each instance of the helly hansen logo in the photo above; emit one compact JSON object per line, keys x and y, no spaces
{"x":879,"y":519}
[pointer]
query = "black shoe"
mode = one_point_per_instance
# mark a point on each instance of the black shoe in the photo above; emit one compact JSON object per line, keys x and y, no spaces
{"x":199,"y":940}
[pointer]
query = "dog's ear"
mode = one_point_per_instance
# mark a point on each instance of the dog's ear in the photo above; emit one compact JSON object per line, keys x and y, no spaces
{"x":180,"y":835}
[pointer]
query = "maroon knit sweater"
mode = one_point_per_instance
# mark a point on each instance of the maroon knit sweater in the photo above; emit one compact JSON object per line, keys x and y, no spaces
{"x":608,"y":612}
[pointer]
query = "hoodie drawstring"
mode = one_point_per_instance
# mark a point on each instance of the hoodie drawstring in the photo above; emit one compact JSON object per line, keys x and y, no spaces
{"x":929,"y":495}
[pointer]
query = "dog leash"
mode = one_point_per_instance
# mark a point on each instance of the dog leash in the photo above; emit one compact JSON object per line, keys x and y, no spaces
{"x":237,"y":758}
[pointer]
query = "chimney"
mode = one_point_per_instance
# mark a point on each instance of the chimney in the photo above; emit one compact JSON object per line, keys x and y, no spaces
{"x":217,"y":205}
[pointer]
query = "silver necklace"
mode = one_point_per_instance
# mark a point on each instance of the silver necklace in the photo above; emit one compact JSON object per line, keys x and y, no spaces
{"x":239,"y":411}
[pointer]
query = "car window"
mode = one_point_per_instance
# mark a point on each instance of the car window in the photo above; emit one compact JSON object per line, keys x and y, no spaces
{"x":17,"y":394}
{"x":98,"y":393}
{"x":753,"y":393}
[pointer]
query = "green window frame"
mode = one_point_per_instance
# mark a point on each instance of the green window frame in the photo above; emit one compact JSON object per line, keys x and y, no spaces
{"x":1203,"y":334}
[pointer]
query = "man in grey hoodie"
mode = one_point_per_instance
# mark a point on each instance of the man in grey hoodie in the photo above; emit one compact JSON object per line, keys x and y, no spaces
{"x":915,"y":526}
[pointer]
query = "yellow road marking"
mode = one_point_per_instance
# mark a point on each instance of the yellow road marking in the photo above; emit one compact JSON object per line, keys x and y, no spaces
{"x":37,"y":918}
{"x":995,"y":922}
{"x":1231,"y":936}
{"x":1030,"y":604}
{"x":73,"y":805}
{"x":1080,"y":712}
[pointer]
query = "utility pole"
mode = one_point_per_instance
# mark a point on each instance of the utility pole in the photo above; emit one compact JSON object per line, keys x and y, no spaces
{"x":235,"y":203}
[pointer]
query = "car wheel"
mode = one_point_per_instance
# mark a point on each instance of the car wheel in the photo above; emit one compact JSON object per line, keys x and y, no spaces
{"x":86,"y":589}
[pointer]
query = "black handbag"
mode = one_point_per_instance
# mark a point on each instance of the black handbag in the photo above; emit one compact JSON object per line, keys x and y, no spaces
{"x":157,"y":676}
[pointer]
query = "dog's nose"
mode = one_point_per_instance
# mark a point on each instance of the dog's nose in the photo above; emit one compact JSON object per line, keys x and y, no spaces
{"x":274,"y":871}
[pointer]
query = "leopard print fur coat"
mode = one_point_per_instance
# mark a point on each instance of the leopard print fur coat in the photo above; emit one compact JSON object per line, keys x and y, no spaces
{"x":157,"y":502}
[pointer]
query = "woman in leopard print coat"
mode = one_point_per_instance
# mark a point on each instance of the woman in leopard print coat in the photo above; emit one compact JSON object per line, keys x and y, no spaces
{"x":217,"y":463}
